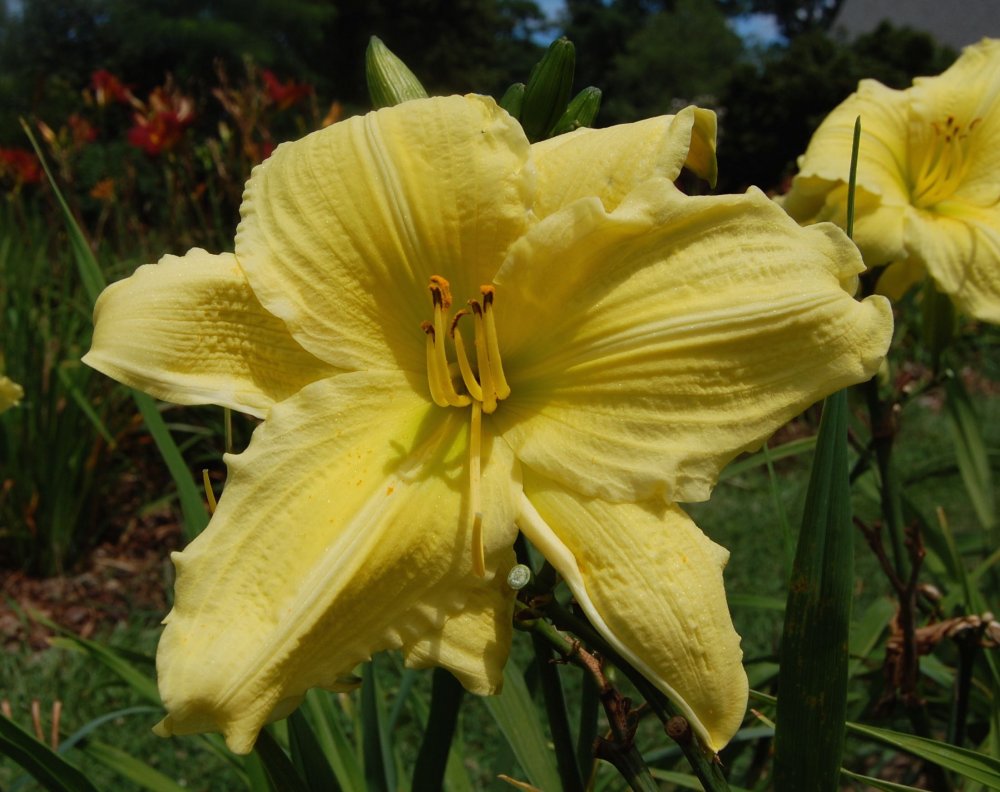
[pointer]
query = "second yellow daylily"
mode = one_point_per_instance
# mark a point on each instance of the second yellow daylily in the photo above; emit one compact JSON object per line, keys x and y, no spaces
{"x":450,"y":335}
{"x":10,"y":393}
{"x":928,"y":182}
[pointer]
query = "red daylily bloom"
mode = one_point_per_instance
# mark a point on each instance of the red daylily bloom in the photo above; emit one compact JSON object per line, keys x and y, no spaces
{"x":284,"y":94}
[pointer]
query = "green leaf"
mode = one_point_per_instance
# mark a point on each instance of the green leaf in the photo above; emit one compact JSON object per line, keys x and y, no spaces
{"x":48,"y":768}
{"x":379,"y":769}
{"x":790,"y":449}
{"x":878,"y":783}
{"x":814,"y":650}
{"x":446,"y":700}
{"x":130,"y":767}
{"x":970,"y":764}
{"x":307,"y":754}
{"x":192,"y":506}
{"x":337,"y":748}
{"x":141,"y":682}
{"x":284,"y":777}
{"x":516,"y":715}
{"x":973,"y":461}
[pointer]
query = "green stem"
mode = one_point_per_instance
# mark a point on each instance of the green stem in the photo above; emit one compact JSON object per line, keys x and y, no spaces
{"x":701,"y":759}
{"x":555,"y":708}
{"x":446,"y":699}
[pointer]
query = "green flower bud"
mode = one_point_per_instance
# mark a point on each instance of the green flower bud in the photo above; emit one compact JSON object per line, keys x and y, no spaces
{"x":581,"y":112}
{"x":548,"y":88}
{"x":389,"y":80}
{"x":513,"y":99}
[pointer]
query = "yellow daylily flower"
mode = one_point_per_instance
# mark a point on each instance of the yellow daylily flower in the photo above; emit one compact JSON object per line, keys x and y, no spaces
{"x":10,"y":393}
{"x":618,"y":343}
{"x":928,"y":185}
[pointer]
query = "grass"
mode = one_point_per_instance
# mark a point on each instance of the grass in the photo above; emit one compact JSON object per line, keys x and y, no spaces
{"x":741,"y":516}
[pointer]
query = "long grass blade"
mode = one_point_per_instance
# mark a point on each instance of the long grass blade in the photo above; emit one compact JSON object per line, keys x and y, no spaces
{"x":92,"y":277}
{"x":280,"y":770}
{"x":128,"y":766}
{"x":970,"y":450}
{"x":814,"y":651}
{"x":337,"y":748}
{"x":432,"y":760}
{"x":45,"y":765}
{"x":307,"y":754}
{"x":519,"y":722}
{"x":970,"y":764}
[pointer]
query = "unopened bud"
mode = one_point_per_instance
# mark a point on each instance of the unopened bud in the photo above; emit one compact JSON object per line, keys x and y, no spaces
{"x":548,"y":89}
{"x":581,"y":112}
{"x":513,"y":99}
{"x":389,"y":80}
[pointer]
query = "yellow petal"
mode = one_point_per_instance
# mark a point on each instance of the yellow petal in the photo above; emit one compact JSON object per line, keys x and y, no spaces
{"x":342,"y":230}
{"x":10,"y":393}
{"x":882,"y":154}
{"x":652,"y":345}
{"x":968,"y":93}
{"x":609,"y":163}
{"x":899,"y":277}
{"x":959,"y":245}
{"x":189,"y":330}
{"x":651,"y":583}
{"x":342,"y":531}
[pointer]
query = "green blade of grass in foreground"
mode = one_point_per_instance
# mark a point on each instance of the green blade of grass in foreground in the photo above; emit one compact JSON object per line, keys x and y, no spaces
{"x":814,"y":650}
{"x":518,"y":719}
{"x":970,"y":764}
{"x":48,"y":768}
{"x":128,"y":766}
{"x":192,"y":506}
{"x":812,"y":709}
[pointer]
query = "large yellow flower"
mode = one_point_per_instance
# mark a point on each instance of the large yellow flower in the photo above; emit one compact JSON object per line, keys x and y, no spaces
{"x":928,"y":187}
{"x":618,"y":343}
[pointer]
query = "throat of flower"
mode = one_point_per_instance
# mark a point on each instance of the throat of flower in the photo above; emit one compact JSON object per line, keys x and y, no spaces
{"x":481,"y":386}
{"x":939,"y":160}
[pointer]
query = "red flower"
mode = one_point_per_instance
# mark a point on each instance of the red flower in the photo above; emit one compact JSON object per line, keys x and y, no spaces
{"x":82,"y":130}
{"x":162,"y":126}
{"x":21,"y":165}
{"x":108,"y":88}
{"x":284,"y":94}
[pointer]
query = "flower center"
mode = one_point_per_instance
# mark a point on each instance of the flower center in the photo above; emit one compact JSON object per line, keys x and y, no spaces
{"x":482,"y":387}
{"x":939,"y":161}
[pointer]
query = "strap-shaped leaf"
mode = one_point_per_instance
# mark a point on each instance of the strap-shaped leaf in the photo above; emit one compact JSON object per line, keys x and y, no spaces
{"x":49,"y":769}
{"x":814,"y":652}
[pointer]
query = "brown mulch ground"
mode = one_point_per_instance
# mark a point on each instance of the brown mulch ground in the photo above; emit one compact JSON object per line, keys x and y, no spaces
{"x":120,"y":578}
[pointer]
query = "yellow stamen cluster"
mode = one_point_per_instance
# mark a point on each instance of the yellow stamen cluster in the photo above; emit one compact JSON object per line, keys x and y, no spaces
{"x":483,"y":387}
{"x":940,"y":163}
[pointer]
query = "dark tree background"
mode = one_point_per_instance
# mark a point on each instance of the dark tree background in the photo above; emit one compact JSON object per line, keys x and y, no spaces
{"x":648,"y":57}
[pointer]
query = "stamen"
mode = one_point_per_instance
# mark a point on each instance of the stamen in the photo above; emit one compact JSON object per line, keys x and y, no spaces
{"x":433,"y":370}
{"x":485,"y":372}
{"x":441,"y":295}
{"x":475,"y":507}
{"x":471,"y":384}
{"x":492,"y":346}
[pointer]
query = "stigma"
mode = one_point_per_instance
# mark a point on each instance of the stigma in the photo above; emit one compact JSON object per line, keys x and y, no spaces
{"x":481,"y":386}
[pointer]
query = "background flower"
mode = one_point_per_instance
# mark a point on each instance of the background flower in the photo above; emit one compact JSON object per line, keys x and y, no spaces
{"x":928,"y":179}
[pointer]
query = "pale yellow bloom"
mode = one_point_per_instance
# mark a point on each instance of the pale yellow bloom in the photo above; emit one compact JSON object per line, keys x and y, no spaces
{"x":928,"y":186}
{"x":623,"y":342}
{"x":10,"y":393}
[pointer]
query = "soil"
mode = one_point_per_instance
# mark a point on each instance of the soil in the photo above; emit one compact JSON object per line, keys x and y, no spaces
{"x":119,"y":581}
